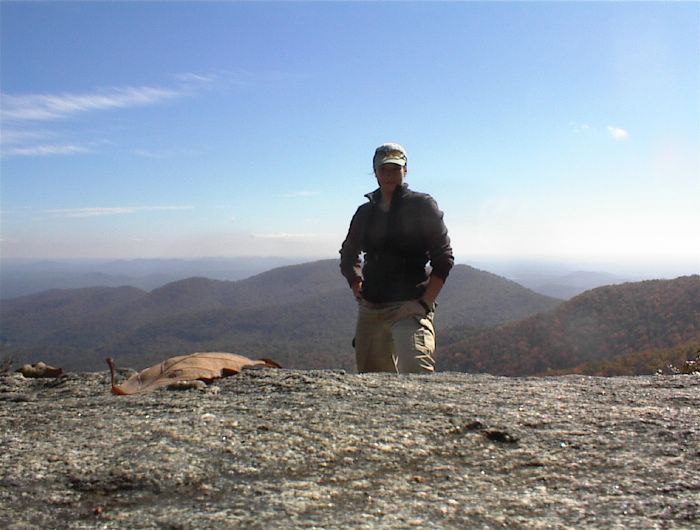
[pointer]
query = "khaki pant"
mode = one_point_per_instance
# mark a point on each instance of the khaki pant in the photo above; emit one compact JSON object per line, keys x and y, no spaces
{"x":384,"y":344}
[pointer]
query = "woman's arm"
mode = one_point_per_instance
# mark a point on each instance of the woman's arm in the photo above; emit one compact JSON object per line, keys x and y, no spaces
{"x":350,"y":251}
{"x":432,"y":290}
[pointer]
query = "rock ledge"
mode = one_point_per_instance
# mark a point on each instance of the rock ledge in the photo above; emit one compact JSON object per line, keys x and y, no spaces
{"x":326,"y":449}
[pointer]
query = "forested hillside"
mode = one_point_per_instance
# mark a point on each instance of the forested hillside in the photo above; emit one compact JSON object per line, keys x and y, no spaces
{"x":301,"y":315}
{"x":644,"y":321}
{"x":304,"y":317}
{"x":657,"y":360}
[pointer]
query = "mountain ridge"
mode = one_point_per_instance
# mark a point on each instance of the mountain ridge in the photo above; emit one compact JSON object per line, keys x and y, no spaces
{"x":596,"y":325}
{"x":277,"y":313}
{"x":303,"y":315}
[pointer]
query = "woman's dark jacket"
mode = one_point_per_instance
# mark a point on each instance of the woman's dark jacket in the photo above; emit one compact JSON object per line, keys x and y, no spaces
{"x":397,"y":246}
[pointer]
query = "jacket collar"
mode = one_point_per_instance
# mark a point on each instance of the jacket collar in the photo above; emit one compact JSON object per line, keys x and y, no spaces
{"x":376,"y":196}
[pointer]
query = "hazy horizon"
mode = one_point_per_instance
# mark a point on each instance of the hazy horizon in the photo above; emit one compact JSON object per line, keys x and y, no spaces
{"x":510,"y":267}
{"x":548,"y":132}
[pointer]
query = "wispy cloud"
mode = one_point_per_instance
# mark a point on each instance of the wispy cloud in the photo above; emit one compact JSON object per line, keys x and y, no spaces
{"x":114,"y":210}
{"x":56,"y":106}
{"x":579,"y":128}
{"x":21,"y":112}
{"x":45,"y":150}
{"x":196,"y":78}
{"x":37,"y":143}
{"x":618,"y":133}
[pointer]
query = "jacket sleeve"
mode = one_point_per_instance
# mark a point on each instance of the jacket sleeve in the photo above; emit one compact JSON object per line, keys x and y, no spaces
{"x":351,"y":249}
{"x":438,"y":241}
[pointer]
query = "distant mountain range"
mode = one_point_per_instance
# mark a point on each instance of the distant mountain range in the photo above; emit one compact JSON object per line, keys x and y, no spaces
{"x":301,"y":315}
{"x":568,"y":285}
{"x":304,"y":315}
{"x":24,"y":277}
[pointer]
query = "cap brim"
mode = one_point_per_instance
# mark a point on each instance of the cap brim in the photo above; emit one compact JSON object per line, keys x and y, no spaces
{"x":397,"y":161}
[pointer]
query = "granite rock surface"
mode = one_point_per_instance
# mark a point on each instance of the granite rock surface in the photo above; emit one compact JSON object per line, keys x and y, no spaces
{"x":329,"y":449}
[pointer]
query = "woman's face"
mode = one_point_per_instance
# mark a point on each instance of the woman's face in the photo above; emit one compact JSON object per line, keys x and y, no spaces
{"x":390,"y":176}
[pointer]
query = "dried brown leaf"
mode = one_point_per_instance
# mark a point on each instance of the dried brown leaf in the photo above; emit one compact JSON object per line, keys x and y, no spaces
{"x":202,"y":366}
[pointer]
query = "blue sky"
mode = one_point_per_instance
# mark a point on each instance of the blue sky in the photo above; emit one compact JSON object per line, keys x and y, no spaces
{"x":554,"y":131}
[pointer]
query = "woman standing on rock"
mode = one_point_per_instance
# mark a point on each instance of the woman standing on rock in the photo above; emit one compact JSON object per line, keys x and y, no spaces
{"x":399,"y":231}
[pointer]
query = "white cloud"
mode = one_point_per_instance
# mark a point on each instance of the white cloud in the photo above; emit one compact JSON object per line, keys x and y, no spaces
{"x":41,"y":142}
{"x":115,"y":210}
{"x":22,"y":111}
{"x":579,"y":128}
{"x":44,"y":150}
{"x":618,"y":133}
{"x":190,"y":77}
{"x":55,"y":106}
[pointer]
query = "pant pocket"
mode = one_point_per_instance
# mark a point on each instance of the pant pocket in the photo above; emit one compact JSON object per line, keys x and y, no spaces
{"x":424,"y":337}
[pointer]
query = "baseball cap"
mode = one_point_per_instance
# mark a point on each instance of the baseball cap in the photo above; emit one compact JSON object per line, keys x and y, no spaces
{"x":389,"y":153}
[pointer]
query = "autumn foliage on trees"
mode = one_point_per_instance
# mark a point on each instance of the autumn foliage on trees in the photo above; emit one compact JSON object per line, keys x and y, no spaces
{"x":679,"y":359}
{"x":621,"y":329}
